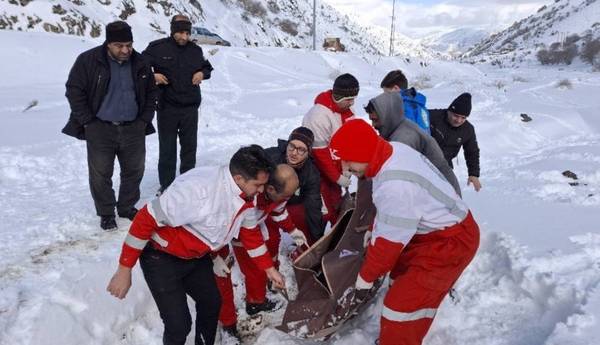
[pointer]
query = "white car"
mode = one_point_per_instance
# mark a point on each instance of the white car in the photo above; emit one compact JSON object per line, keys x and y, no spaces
{"x":203,"y":36}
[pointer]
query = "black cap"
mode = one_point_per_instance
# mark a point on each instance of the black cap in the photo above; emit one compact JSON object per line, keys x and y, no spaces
{"x":181,"y":25}
{"x":461,"y":105}
{"x":346,"y":85}
{"x":118,"y":31}
{"x":303,"y":134}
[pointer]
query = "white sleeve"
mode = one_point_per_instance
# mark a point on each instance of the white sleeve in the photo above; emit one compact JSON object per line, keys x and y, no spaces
{"x":317,"y":121}
{"x":398,"y":213}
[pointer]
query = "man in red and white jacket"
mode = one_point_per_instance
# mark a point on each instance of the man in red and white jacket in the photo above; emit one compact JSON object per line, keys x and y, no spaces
{"x":201,"y":212}
{"x":332,"y":108}
{"x":423,"y":234}
{"x":270,"y":206}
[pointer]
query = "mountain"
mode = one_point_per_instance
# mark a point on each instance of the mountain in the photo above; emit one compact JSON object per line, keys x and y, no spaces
{"x":455,"y":42}
{"x":562,"y":22}
{"x":279,"y":23}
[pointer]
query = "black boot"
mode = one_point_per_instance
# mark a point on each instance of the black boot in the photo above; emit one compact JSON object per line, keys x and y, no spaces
{"x":255,"y":308}
{"x":129,"y":214}
{"x":108,"y":222}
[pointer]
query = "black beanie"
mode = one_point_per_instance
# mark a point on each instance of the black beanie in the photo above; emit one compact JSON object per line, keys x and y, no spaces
{"x":303,"y":134}
{"x":181,"y":25}
{"x":461,"y":105}
{"x":345,"y":86}
{"x":118,"y":31}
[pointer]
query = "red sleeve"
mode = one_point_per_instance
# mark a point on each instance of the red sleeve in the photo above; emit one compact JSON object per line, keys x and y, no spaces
{"x":283,"y":220}
{"x":327,"y":166}
{"x":139,"y":234}
{"x":254,"y":244}
{"x":380,"y":259}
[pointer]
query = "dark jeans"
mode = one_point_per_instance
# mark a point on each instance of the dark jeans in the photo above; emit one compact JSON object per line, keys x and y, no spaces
{"x":173,"y":122}
{"x":170,"y":280}
{"x":106,"y":141}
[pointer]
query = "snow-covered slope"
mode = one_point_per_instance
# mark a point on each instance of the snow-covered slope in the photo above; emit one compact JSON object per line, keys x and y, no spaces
{"x":455,"y":42}
{"x":552,"y":23}
{"x":535,"y":279}
{"x":284,"y":23}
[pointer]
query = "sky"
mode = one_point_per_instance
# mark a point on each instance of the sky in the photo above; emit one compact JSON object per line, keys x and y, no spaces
{"x":421,"y":18}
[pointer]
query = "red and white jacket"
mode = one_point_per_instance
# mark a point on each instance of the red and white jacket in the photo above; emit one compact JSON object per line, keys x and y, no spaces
{"x":266,"y":208}
{"x":202,"y":211}
{"x":412,"y":198}
{"x":324,"y":119}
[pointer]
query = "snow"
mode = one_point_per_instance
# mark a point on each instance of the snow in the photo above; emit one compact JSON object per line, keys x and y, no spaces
{"x":534,"y":280}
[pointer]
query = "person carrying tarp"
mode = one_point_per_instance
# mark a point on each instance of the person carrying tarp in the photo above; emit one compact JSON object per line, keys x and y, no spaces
{"x":270,"y":205}
{"x":174,"y":235}
{"x":423,"y":234}
{"x":386,"y":113}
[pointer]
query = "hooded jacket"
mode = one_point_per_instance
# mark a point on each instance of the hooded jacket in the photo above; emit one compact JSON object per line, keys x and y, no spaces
{"x":394,"y":126}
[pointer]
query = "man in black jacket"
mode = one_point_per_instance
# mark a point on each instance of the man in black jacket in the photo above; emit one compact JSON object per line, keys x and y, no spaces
{"x":451,"y":130}
{"x":304,"y":207}
{"x":112,"y":95}
{"x":179,"y":68}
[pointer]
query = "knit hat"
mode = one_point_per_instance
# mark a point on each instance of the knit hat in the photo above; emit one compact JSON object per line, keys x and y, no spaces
{"x":118,"y":31}
{"x":355,"y":141}
{"x":303,"y":134}
{"x":461,"y":105}
{"x":345,"y":86}
{"x":181,"y":25}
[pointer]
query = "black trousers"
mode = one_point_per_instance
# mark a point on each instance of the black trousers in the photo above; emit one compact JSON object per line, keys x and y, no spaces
{"x":127,"y":143}
{"x":171,"y":280}
{"x":176,"y":122}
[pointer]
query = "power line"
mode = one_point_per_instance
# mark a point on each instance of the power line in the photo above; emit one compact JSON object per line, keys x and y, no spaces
{"x":393,"y":28}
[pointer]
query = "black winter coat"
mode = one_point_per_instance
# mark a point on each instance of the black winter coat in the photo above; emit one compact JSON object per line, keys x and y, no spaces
{"x":178,"y":64}
{"x":309,"y":193}
{"x":451,"y":139}
{"x":88,"y":83}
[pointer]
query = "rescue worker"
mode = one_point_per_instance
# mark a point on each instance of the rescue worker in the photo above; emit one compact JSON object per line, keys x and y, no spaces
{"x":203,"y":211}
{"x":332,"y":108}
{"x":271,"y":204}
{"x":424,"y":233}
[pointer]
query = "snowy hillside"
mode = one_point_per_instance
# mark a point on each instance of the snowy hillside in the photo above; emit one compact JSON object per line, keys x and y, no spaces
{"x":560,"y":22}
{"x":277,"y":23}
{"x":534,"y":281}
{"x":455,"y":42}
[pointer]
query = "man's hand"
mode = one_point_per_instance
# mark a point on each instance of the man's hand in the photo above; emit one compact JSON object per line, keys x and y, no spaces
{"x":362,"y":289}
{"x":197,"y":78}
{"x":220,"y":267}
{"x":475,"y":181}
{"x":344,"y":181}
{"x":367,"y":238}
{"x":120,"y":282}
{"x":298,"y":237}
{"x":276,"y":277}
{"x":160,"y":79}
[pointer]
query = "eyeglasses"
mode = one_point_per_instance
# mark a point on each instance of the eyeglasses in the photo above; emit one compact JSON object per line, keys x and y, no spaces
{"x":301,"y":150}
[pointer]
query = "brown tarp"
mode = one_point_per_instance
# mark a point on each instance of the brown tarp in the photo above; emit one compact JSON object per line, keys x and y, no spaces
{"x":327,"y":271}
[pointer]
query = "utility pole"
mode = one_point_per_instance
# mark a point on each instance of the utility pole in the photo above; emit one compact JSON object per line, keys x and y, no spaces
{"x":393,"y":28}
{"x":314,"y":26}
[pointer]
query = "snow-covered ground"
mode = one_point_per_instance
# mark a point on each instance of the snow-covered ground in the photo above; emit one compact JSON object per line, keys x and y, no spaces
{"x":534,"y":280}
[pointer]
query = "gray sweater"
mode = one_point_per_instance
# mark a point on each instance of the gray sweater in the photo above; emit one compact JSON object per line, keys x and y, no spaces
{"x":395,"y":127}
